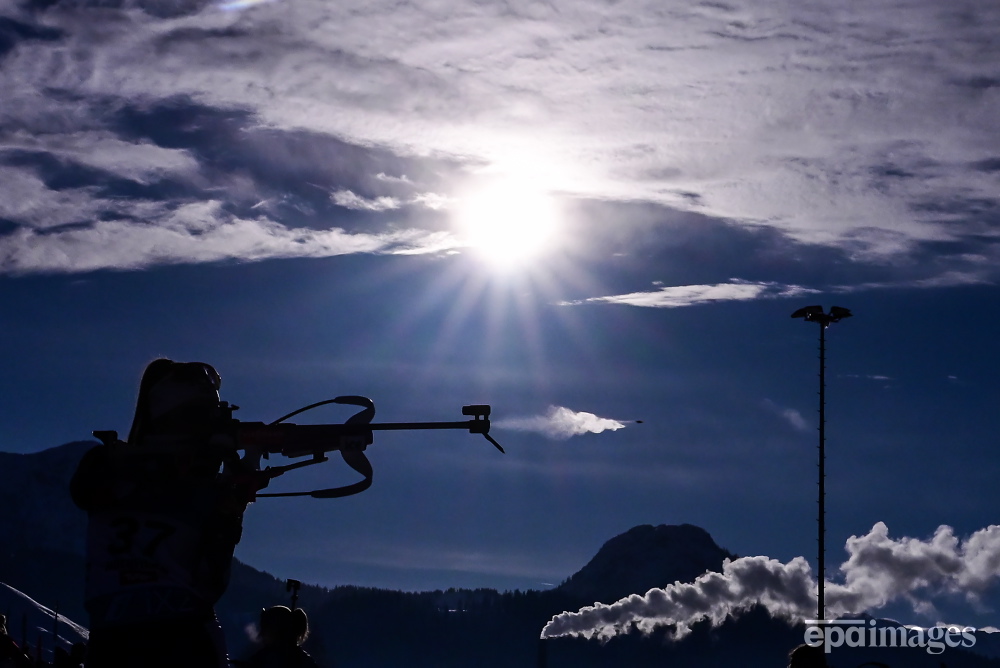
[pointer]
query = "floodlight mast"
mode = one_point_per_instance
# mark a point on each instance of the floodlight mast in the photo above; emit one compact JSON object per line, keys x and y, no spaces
{"x":816,"y":314}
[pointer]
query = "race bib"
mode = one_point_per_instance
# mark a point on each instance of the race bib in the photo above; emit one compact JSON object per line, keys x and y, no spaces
{"x":132,"y":550}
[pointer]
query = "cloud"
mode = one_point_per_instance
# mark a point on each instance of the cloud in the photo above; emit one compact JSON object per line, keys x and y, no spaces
{"x":403,"y":179}
{"x":687,"y":295}
{"x":174,"y":181}
{"x":795,"y":419}
{"x":868,"y":134}
{"x":349,"y":200}
{"x":140,"y":161}
{"x":741,"y":290}
{"x":560,"y":423}
{"x":790,"y":415}
{"x":235,"y":5}
{"x":199,"y":232}
{"x":25,"y":198}
{"x":433,"y":201}
{"x":881,"y":569}
{"x":878,"y":571}
{"x":947,"y":279}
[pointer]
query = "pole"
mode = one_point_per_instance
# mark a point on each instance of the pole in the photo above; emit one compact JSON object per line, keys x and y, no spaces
{"x":820,"y":600}
{"x":816,"y":314}
{"x":293,"y":586}
{"x":55,"y":630}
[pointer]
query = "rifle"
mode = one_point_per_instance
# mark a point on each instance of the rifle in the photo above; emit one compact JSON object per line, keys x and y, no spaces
{"x":259,"y":440}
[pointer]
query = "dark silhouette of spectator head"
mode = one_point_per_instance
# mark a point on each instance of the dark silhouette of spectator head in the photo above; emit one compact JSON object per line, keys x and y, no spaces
{"x":807,"y":656}
{"x":175,"y":397}
{"x":282,"y":630}
{"x":73,"y":658}
{"x":282,"y":626}
{"x":60,"y":658}
{"x":78,"y":653}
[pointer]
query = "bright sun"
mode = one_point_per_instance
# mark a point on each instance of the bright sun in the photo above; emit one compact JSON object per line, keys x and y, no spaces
{"x":508,"y":221}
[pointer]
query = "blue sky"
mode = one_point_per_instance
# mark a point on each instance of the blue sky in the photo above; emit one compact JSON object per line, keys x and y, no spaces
{"x":291,"y":190}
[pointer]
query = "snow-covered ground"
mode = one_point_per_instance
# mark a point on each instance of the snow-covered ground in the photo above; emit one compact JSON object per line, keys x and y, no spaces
{"x":31,"y":623}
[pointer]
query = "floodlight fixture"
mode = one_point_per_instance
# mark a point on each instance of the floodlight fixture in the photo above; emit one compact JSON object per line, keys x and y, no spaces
{"x":807,"y":312}
{"x":838,"y":313}
{"x":824,"y":320}
{"x":816,"y":314}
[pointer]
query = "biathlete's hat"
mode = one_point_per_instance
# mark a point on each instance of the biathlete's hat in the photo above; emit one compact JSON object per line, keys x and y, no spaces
{"x":187,"y":386}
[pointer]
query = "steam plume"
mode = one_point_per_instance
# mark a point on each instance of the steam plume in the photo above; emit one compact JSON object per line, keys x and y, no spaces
{"x":560,"y":423}
{"x":879,"y":570}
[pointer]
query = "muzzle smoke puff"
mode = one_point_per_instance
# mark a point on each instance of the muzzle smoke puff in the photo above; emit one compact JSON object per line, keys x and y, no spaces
{"x":560,"y":423}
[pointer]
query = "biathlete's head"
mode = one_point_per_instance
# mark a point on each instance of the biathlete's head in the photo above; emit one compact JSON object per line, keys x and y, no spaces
{"x":175,"y":397}
{"x":280,"y":625}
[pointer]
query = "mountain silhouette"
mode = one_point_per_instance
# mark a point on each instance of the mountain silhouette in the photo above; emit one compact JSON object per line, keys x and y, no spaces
{"x":42,"y":535}
{"x":41,"y":555}
{"x":645,"y":557}
{"x":34,"y":495}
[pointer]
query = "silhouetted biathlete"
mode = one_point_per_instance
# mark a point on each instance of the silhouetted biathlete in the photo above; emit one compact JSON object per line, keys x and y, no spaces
{"x":165,"y":512}
{"x":282,"y":632}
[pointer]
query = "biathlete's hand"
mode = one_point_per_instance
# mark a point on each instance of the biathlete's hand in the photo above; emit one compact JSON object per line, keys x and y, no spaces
{"x":246,"y":484}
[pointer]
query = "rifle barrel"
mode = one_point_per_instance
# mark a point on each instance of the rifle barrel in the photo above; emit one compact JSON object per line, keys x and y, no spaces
{"x":297,"y":440}
{"x":396,"y":426}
